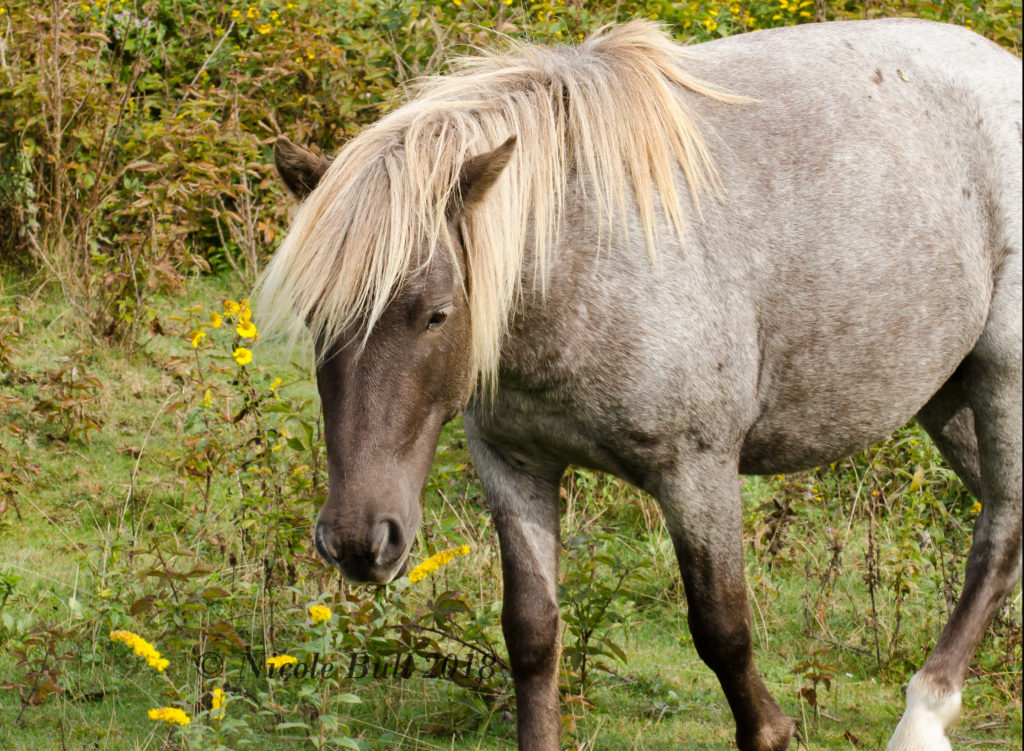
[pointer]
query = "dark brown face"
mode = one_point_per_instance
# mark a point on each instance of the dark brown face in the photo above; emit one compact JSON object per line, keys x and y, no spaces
{"x":384,"y":401}
{"x":383,"y":410}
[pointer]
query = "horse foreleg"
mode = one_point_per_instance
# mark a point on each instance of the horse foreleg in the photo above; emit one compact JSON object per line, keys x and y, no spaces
{"x":524,"y":507}
{"x":703,"y":514}
{"x":992,"y":391}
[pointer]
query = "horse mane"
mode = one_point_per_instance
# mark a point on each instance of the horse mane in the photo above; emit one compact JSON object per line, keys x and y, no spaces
{"x":608,"y":108}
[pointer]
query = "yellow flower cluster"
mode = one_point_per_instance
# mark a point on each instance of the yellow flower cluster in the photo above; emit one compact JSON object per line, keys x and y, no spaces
{"x":434,"y":562}
{"x":253,"y":14}
{"x":244,"y":327}
{"x":170,"y":714}
{"x":142,"y":648}
{"x":796,"y":8}
{"x":279,"y":661}
{"x":217,"y":704}
{"x":320,"y":613}
{"x":97,"y":10}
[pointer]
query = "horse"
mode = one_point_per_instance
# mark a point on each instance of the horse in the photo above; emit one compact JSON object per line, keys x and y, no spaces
{"x":676,"y":265}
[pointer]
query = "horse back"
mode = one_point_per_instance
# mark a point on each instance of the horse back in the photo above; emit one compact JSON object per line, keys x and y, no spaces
{"x":869,"y":194}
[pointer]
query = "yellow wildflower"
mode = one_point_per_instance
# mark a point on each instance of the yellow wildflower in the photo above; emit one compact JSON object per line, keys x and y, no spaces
{"x":279,"y":661}
{"x":246,"y":330}
{"x":434,"y":562}
{"x":217,"y":704}
{"x":231,"y":308}
{"x":207,"y":399}
{"x":264,"y":28}
{"x":805,"y":14}
{"x":976,"y":508}
{"x":141,"y":647}
{"x":275,"y":385}
{"x":236,"y":13}
{"x":917,"y":480}
{"x":252,"y":13}
{"x":216,"y":320}
{"x":197,"y":338}
{"x":710,"y":24}
{"x":242,"y":356}
{"x":170,"y":714}
{"x":320,"y":613}
{"x":244,"y":312}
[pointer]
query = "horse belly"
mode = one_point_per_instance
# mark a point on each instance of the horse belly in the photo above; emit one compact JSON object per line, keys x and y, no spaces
{"x":795,"y":442}
{"x":835,"y":387}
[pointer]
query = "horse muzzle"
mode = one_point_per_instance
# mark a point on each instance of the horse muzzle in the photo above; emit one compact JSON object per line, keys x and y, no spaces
{"x":375,"y":557}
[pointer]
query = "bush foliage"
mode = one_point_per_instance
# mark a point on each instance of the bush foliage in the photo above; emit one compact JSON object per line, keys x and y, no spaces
{"x":137,"y":133}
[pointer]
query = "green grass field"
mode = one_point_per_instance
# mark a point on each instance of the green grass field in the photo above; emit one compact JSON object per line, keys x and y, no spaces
{"x":184,"y":517}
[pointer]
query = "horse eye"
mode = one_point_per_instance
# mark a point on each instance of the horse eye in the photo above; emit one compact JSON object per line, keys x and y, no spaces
{"x":437,"y":320}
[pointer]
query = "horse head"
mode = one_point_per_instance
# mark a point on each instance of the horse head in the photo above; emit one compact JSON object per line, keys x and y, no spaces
{"x":386,"y":390}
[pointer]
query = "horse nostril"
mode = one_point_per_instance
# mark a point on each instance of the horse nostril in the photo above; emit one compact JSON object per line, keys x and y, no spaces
{"x":322,"y":547}
{"x":388,"y":542}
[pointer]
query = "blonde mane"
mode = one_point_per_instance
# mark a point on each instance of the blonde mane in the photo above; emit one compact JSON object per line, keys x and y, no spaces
{"x":608,"y":108}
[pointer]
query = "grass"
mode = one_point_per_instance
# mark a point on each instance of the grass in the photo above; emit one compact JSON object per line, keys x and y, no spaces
{"x":100,"y":517}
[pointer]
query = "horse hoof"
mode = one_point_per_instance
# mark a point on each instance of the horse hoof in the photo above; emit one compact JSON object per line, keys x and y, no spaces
{"x":775,"y":737}
{"x":929,"y":712}
{"x":919,"y":737}
{"x":919,"y":733}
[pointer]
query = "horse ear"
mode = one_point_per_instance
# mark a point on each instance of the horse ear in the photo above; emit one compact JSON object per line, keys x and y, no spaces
{"x":300,"y":169}
{"x":480,"y":172}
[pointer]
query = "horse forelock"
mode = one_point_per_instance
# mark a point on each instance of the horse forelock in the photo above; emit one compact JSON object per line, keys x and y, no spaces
{"x":610,"y":108}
